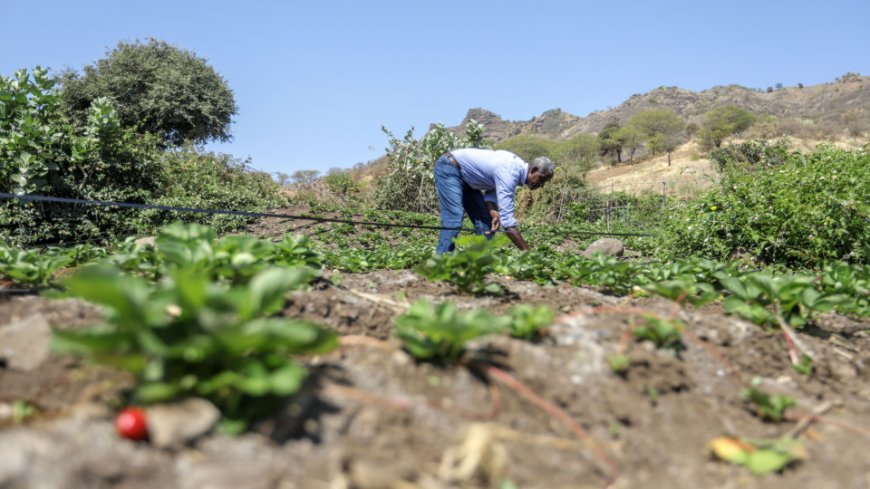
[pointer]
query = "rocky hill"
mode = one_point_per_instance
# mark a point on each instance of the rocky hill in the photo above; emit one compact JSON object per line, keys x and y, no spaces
{"x":823,"y":106}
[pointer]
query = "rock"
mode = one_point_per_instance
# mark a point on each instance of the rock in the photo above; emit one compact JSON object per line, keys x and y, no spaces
{"x":605,"y":246}
{"x":176,"y":424}
{"x":148,"y":240}
{"x":24,"y":344}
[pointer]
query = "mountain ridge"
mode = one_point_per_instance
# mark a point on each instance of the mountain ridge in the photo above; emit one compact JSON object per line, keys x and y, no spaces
{"x":822,"y":106}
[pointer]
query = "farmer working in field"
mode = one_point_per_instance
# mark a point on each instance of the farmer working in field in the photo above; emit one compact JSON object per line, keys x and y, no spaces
{"x":461,"y":175}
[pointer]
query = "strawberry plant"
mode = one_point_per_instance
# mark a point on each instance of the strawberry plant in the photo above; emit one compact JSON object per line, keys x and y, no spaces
{"x":768,"y":407}
{"x":767,"y":300}
{"x":439,"y":333}
{"x":663,"y":333}
{"x":527,"y":322}
{"x":469,"y":266}
{"x":31,"y":268}
{"x":190,"y":336}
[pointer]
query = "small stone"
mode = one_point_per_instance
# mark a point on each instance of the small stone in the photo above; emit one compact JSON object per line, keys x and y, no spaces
{"x":148,"y":240}
{"x":24,"y":344}
{"x":176,"y":424}
{"x":605,"y":246}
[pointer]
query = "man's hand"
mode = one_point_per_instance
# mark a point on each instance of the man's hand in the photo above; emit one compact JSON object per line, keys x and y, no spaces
{"x":493,"y":213}
{"x":496,"y":220}
{"x":517,"y":238}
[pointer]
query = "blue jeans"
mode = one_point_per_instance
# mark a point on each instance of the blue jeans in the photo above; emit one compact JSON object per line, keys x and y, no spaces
{"x":456,"y":198}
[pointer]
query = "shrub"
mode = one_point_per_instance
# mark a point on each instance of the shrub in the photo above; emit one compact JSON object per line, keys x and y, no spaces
{"x":808,"y":210}
{"x":410,"y":185}
{"x":190,"y":178}
{"x":42,"y":152}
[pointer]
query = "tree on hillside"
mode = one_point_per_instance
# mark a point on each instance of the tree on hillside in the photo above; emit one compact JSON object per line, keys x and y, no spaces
{"x":529,"y":147}
{"x":631,"y":138}
{"x":157,"y":88}
{"x":723,"y":122}
{"x":282,"y":178}
{"x":609,"y":142}
{"x":304,"y":177}
{"x":661,"y":128}
{"x":578,"y":152}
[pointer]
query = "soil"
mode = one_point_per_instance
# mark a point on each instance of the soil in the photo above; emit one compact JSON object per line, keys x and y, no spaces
{"x":373,"y":417}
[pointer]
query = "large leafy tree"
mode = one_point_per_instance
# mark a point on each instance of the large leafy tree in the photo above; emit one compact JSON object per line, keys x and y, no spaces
{"x":723,"y":122}
{"x":157,"y":88}
{"x":609,"y":142}
{"x":662,"y":129}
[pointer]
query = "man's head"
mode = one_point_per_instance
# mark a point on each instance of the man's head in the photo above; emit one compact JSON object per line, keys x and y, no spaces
{"x":540,"y":172}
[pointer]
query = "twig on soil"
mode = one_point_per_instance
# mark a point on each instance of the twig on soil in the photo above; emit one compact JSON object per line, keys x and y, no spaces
{"x":344,"y":392}
{"x":793,"y":342}
{"x":833,"y":422}
{"x":600,"y":455}
{"x":362,"y":340}
{"x":808,"y":419}
{"x":377,"y":299}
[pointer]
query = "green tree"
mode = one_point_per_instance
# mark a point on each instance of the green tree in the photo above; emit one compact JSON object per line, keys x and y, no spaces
{"x":578,"y":152}
{"x":609,"y":142}
{"x":661,"y":128}
{"x":305,"y":177}
{"x":529,"y":147}
{"x":282,"y":178}
{"x":722,"y":122}
{"x":157,"y":88}
{"x":631,"y":139}
{"x":340,"y":182}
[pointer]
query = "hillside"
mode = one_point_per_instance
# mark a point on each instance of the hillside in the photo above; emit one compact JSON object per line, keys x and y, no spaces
{"x":820,"y":107}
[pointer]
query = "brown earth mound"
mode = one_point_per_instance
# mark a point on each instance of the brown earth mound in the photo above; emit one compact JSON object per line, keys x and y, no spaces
{"x":372,"y":417}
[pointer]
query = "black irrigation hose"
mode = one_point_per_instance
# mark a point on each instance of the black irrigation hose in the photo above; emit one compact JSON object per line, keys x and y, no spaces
{"x":133,"y":205}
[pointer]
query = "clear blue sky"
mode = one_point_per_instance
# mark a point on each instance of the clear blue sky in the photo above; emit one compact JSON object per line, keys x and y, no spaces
{"x":315,"y":80}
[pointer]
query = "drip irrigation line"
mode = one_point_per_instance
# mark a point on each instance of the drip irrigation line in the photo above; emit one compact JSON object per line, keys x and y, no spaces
{"x":287,"y":217}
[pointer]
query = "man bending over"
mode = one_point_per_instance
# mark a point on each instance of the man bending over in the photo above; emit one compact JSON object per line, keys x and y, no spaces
{"x":482,"y":182}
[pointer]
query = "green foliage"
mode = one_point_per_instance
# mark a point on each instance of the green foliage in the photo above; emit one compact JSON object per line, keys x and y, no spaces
{"x":527,"y":322}
{"x":749,"y":154}
{"x":192,"y":178}
{"x":157,"y":88}
{"x":230,"y":259}
{"x":663,"y":333}
{"x":98,"y":158}
{"x":439,"y":333}
{"x":189,"y":336}
{"x":529,"y":147}
{"x":469,"y":266}
{"x":721,"y":123}
{"x":42,"y":152}
{"x":618,"y":363}
{"x":768,"y":407}
{"x":767,"y":300}
{"x":410,"y":185}
{"x":631,"y":138}
{"x":761,"y":457}
{"x":661,"y":129}
{"x":809,"y":210}
{"x":340,"y":182}
{"x":30,"y":268}
{"x":609,"y":143}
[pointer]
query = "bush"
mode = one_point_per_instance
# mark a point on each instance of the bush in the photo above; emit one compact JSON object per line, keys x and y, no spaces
{"x":42,"y":152}
{"x":749,"y":153}
{"x":410,"y":185}
{"x":189,"y":178}
{"x":805,"y":211}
